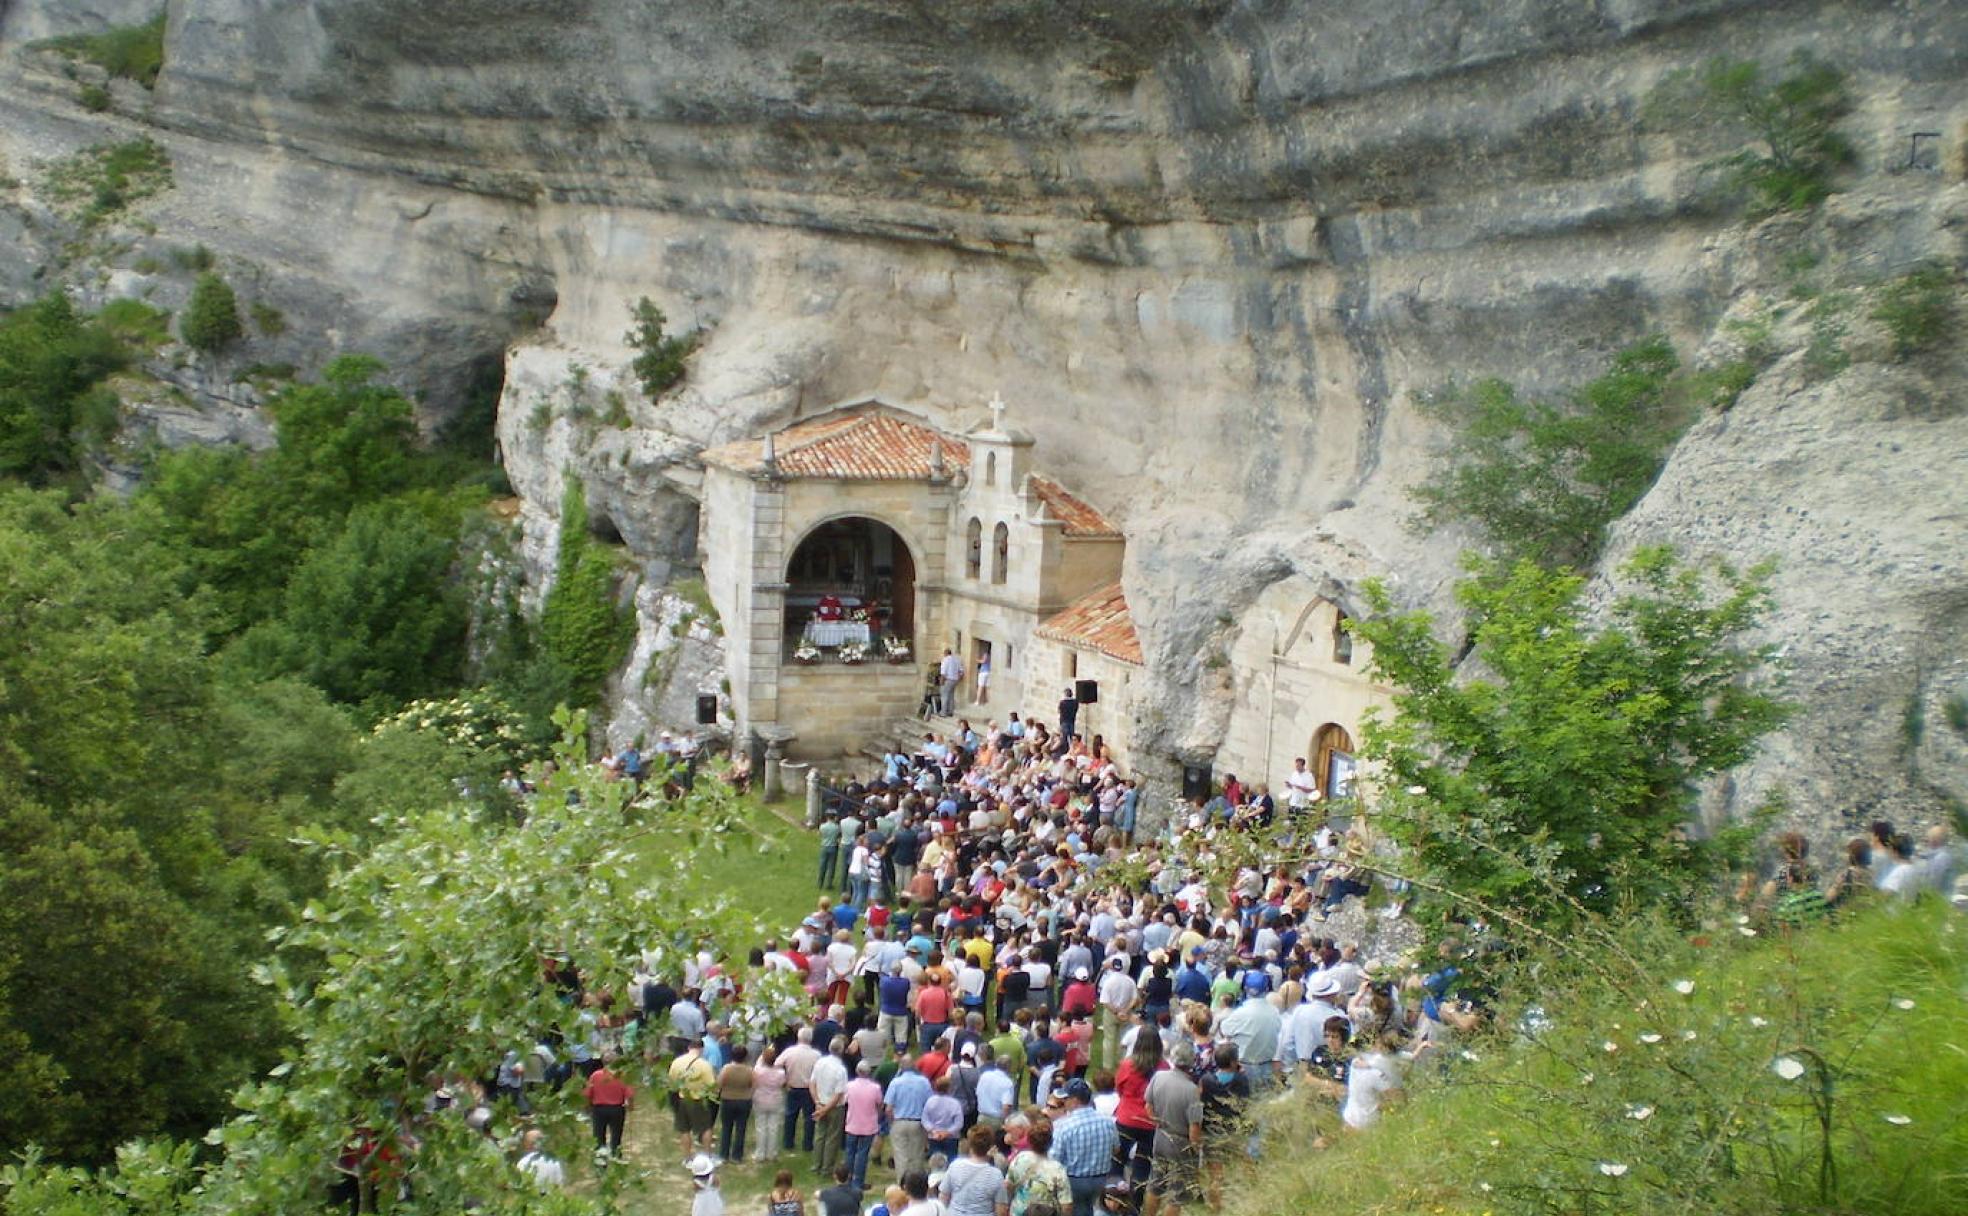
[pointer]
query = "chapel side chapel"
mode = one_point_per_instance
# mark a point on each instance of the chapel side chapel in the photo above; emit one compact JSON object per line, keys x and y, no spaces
{"x":832,"y":543}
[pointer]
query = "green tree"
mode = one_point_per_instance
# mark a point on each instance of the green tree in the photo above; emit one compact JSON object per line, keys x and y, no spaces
{"x":582,"y":629}
{"x":1794,"y":121}
{"x":245,"y":523}
{"x":52,"y":405}
{"x":1566,"y":771}
{"x":211,"y":320}
{"x":660,"y":361}
{"x":372,"y":615}
{"x":1541,"y":480}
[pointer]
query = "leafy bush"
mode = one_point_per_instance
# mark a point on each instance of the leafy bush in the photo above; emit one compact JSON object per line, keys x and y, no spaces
{"x":94,"y":98}
{"x":1795,"y":121}
{"x":52,"y":405}
{"x":1542,"y":479}
{"x":1645,"y":1072}
{"x":270,"y":321}
{"x":195,"y":257}
{"x":1562,"y":778}
{"x":211,"y":321}
{"x":660,"y":359}
{"x":134,"y":52}
{"x":1918,"y":309}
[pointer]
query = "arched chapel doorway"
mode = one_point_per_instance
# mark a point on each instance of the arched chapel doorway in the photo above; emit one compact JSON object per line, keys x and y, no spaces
{"x":847,"y":573}
{"x":1333,"y":760}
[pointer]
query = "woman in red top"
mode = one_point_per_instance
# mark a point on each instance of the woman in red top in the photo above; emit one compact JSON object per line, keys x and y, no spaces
{"x":1137,"y":1122}
{"x":608,"y":1104}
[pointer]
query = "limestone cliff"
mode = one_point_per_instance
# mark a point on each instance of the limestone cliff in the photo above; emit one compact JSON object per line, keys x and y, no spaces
{"x":1209,"y":250}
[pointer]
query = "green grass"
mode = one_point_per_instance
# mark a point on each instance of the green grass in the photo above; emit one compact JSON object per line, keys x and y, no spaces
{"x":136,"y":323}
{"x":1527,"y":1127}
{"x":1917,"y":309}
{"x":134,"y":52}
{"x":770,"y":869}
{"x":98,"y":182}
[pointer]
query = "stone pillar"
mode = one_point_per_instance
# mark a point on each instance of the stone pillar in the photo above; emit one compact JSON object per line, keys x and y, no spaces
{"x":765,"y":611}
{"x":775,"y":751}
{"x":813,"y":798}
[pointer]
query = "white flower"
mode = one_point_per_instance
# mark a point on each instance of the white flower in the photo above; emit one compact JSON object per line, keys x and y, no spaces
{"x":1742,"y":920}
{"x":1759,"y":1023}
{"x":1417,"y":790}
{"x":1471,"y":1056}
{"x":1788,"y":1067}
{"x":1641,"y":1113}
{"x":1746,"y":931}
{"x":1587,"y":1078}
{"x":1689,"y":1035}
{"x":1684,"y":987}
{"x":1650,"y":1038}
{"x":1903,"y":1003}
{"x":1612,"y":1169}
{"x":1484,"y":1187}
{"x":1898,"y":1120}
{"x":1496,"y":1144}
{"x":1610,"y":1046}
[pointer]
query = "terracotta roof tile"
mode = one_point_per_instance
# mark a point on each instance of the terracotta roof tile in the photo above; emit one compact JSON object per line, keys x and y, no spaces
{"x":1098,"y":621}
{"x":1080,"y":518}
{"x":867,"y":446}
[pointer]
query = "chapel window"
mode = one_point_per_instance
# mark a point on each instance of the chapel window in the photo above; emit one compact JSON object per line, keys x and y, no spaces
{"x":974,"y":549}
{"x":1000,"y":552}
{"x":1342,"y":640}
{"x":991,"y":468}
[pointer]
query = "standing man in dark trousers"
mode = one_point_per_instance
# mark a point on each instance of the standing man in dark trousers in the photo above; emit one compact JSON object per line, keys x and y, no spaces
{"x":1069,"y":715}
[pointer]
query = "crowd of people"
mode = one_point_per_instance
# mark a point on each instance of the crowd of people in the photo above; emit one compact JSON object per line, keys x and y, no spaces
{"x":996,"y":1027}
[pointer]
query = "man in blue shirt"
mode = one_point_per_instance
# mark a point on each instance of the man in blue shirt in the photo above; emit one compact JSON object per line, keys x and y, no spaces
{"x":904,"y":1101}
{"x":893,"y":1020}
{"x":1083,"y":1141}
{"x":1192,"y":983}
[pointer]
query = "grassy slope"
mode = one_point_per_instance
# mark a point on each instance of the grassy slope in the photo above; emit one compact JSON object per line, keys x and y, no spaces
{"x":1701,"y":1123}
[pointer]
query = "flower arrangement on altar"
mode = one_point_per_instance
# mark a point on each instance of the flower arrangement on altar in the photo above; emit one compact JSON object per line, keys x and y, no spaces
{"x":859,"y":614}
{"x":806,"y":652}
{"x":853,"y":652}
{"x":896,"y":649}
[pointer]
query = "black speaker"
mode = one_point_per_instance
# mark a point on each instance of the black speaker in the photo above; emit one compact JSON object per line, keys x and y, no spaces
{"x":1086,"y":692}
{"x":1196,"y":779}
{"x":707,"y":709}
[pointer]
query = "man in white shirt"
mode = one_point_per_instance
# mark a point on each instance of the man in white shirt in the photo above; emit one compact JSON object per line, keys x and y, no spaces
{"x":1118,"y":993}
{"x":536,"y":1163}
{"x":949,"y":672}
{"x":1301,"y":787}
{"x":1308,"y":1022}
{"x":830,"y":1079}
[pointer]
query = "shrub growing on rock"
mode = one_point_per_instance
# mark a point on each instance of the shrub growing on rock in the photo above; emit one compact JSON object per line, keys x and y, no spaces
{"x":659,"y":361}
{"x":211,"y":321}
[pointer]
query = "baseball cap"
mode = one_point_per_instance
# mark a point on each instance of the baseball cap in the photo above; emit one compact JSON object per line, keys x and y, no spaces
{"x":1079,"y":973}
{"x":1077,"y":1088}
{"x":1256,"y":981}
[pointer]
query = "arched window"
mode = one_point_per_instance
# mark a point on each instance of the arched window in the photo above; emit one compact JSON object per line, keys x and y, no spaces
{"x":1000,"y":552}
{"x":974,"y":549}
{"x":990,"y":468}
{"x":1342,"y":640}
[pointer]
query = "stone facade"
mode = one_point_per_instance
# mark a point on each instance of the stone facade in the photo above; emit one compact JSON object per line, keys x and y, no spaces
{"x":1294,"y":677}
